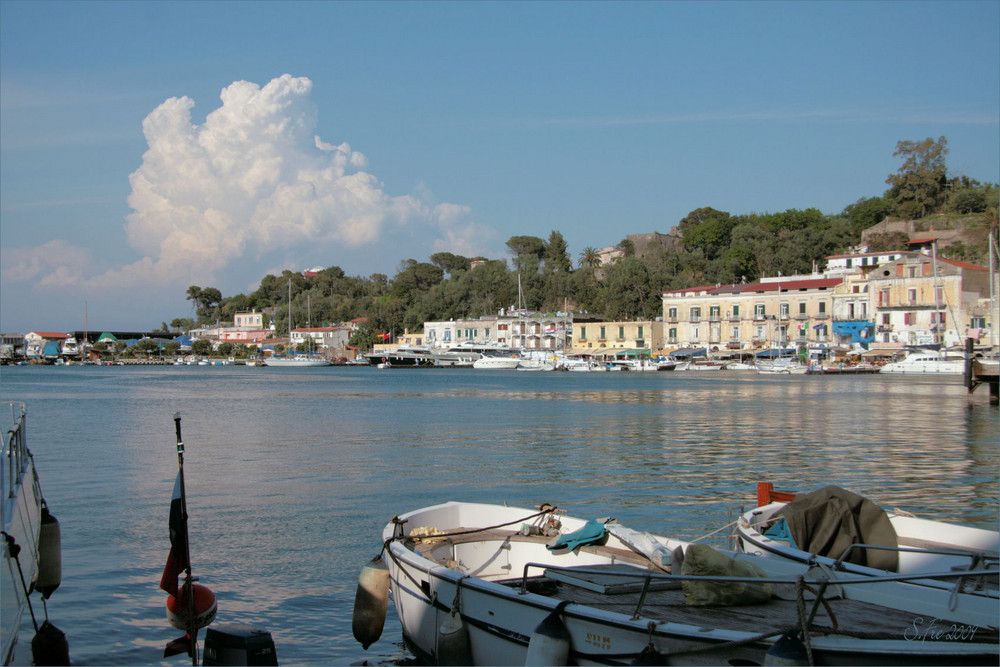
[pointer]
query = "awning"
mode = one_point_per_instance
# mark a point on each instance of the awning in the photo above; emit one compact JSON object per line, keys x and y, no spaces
{"x":767,"y":354}
{"x":688,"y":352}
{"x":633,"y":352}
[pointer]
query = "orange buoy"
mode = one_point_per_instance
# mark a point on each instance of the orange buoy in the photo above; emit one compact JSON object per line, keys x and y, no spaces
{"x":178,"y":612}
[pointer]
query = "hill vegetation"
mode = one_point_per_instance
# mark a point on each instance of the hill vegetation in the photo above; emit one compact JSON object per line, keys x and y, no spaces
{"x":707,"y":246}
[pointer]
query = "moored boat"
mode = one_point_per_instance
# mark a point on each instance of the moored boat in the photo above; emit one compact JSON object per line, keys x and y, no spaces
{"x":298,"y":361}
{"x":493,"y":585}
{"x":925,"y":361}
{"x":490,"y":362}
{"x":852,"y":536}
{"x":30,"y":548}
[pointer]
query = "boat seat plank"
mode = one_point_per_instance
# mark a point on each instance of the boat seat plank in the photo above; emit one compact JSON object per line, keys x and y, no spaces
{"x":429,"y":543}
{"x":920,"y":543}
{"x":669,"y":606}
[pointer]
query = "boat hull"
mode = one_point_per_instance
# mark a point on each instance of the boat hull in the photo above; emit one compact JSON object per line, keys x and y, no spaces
{"x":296,"y":362}
{"x":496,"y":363}
{"x":953,"y":548}
{"x":483,"y":578}
{"x":21,"y":519}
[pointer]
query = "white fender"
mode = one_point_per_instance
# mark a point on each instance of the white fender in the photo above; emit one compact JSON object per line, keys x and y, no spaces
{"x":453,"y":641}
{"x":549,"y":643}
{"x":371,"y":602}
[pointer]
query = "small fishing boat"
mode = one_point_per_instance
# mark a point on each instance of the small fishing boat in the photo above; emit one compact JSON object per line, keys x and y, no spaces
{"x":852,"y":536}
{"x":479,"y":584}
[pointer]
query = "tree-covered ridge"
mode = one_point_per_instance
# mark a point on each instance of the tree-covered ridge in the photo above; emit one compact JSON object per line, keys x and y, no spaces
{"x":708,"y":247}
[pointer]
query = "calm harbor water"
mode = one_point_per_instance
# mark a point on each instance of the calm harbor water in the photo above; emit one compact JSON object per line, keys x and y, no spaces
{"x":292,"y":473}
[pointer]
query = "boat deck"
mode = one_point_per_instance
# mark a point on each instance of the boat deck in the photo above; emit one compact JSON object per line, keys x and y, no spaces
{"x":606,"y":587}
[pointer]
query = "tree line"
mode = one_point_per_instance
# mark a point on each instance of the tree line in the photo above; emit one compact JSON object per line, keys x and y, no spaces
{"x":707,"y":246}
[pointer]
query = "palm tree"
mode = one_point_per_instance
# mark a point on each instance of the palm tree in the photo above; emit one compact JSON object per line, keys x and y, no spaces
{"x":590,"y":257}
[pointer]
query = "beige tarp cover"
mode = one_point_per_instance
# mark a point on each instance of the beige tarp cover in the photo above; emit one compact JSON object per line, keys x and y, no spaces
{"x":827,"y":521}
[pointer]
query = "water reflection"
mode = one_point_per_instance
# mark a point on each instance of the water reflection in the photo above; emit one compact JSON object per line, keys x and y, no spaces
{"x":293,"y":474}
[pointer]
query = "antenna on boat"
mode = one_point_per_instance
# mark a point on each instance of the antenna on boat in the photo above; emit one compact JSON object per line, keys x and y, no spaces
{"x":193,"y":606}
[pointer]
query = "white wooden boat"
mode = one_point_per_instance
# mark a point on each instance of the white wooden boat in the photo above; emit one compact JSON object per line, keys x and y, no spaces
{"x":829,"y":526}
{"x":484,"y":584}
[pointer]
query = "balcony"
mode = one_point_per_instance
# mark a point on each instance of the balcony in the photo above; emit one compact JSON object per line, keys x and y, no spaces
{"x":695,"y":319}
{"x":715,"y":318}
{"x":733,"y":318}
{"x":821,"y":316}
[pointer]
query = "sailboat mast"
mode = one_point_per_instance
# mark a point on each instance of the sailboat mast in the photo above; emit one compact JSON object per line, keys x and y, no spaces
{"x":937,"y":301}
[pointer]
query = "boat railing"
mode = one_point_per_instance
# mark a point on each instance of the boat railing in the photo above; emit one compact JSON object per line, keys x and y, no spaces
{"x":980,"y":562}
{"x":819,"y":581}
{"x":14,"y":460}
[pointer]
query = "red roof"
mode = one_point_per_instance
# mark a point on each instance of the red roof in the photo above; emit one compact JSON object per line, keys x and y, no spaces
{"x":780,"y":285}
{"x":963,"y":265}
{"x":49,"y":334}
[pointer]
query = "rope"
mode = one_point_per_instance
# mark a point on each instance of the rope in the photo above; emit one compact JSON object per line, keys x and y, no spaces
{"x":473,"y":531}
{"x":13,"y":548}
{"x":718,"y":530}
{"x":547,"y":509}
{"x":800,"y":607}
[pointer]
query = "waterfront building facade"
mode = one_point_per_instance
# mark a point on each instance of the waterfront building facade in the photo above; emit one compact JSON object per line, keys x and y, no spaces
{"x":610,"y":338}
{"x":918,"y":300}
{"x":534,"y":331}
{"x":330,"y":338}
{"x":775,"y":312}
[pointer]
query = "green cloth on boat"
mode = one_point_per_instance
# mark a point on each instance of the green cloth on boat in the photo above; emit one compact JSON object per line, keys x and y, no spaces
{"x":591,"y":533}
{"x":701,"y":560}
{"x":827,"y":521}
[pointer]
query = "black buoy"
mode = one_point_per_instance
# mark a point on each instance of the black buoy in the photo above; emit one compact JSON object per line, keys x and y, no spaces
{"x":236,"y":644}
{"x":788,"y":650}
{"x":49,"y":646}
{"x":650,"y":656}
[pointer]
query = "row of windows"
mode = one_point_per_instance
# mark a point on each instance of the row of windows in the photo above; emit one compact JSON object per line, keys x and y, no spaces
{"x":759,"y":311}
{"x":603,"y":336}
{"x":760,"y":332}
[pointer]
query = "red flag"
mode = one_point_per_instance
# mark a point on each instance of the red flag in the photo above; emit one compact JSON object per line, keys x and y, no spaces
{"x":177,"y":561}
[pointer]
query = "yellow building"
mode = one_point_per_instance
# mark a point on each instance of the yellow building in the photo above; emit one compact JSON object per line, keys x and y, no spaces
{"x":611,"y":338}
{"x":773,"y":312}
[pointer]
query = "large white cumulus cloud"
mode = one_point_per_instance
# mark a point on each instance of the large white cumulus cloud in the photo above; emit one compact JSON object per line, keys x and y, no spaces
{"x":253,"y":177}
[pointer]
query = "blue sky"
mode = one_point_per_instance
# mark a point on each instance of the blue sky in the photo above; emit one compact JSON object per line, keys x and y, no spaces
{"x":363,"y":134}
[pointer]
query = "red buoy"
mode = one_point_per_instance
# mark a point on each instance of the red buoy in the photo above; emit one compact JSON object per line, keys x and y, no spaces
{"x":204,"y":607}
